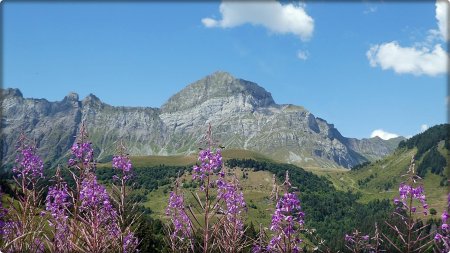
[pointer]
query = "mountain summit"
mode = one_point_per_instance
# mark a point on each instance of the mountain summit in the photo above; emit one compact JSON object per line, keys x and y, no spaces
{"x":219,"y":85}
{"x":243,"y":115}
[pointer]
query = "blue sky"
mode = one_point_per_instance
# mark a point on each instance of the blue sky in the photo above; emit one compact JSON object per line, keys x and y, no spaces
{"x":361,"y":66}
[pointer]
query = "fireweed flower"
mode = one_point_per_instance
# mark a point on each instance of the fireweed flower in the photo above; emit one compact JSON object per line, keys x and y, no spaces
{"x":22,"y":218}
{"x":180,"y":220}
{"x":29,"y":165}
{"x":210,"y":162}
{"x":130,"y":243}
{"x":356,"y":242}
{"x":97,"y":207}
{"x":82,"y":152}
{"x":38,"y":246}
{"x":257,"y":248}
{"x":231,"y":204}
{"x":442,"y":237}
{"x":411,"y":193}
{"x":122,"y":164}
{"x":2,"y":215}
{"x":348,"y":238}
{"x":230,"y":193}
{"x":287,"y":221}
{"x":11,"y":230}
{"x":444,"y":217}
{"x":57,"y":203}
{"x":406,"y":193}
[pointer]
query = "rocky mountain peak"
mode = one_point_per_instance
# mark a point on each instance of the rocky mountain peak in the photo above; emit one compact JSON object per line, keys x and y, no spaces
{"x":91,"y":99}
{"x":11,"y":92}
{"x":72,"y":96}
{"x":219,"y":85}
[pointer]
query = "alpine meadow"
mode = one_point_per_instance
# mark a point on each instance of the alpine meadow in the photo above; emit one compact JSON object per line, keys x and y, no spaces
{"x":189,"y":127}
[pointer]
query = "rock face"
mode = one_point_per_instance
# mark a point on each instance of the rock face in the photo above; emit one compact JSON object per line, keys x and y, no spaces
{"x":243,"y":116}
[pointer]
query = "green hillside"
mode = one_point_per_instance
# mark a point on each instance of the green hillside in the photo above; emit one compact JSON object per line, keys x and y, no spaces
{"x":332,"y":212}
{"x":380,"y":179}
{"x":179,"y":160}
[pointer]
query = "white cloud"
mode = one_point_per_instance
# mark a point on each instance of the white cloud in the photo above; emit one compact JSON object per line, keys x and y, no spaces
{"x":209,"y":22}
{"x":277,"y":18}
{"x":413,"y":60}
{"x":441,"y":16}
{"x":423,"y":58}
{"x":423,"y":127}
{"x":383,"y":134}
{"x":302,"y":55}
{"x":370,"y":9}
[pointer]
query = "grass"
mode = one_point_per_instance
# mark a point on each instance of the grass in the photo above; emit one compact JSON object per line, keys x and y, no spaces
{"x":382,"y":176}
{"x":152,"y":161}
{"x":256,"y":187}
{"x":180,"y":160}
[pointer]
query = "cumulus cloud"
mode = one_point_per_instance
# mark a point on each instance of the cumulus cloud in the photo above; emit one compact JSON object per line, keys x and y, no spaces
{"x":420,"y":59}
{"x":423,"y":127}
{"x":383,"y":134}
{"x":442,"y":18}
{"x":277,"y":18}
{"x":302,"y":55}
{"x":209,"y":22}
{"x":417,"y":61}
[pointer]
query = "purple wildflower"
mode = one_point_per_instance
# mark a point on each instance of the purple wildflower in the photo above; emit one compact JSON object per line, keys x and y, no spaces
{"x":356,"y":242}
{"x":130,"y":243}
{"x":38,"y":246}
{"x":406,"y":192}
{"x":230,"y":203}
{"x":82,"y":152}
{"x":348,"y":238}
{"x":180,"y":220}
{"x":286,"y":223}
{"x":123,"y":164}
{"x":257,"y":248}
{"x":11,"y":230}
{"x":444,"y":216}
{"x":3,"y":212}
{"x":29,"y":165}
{"x":210,"y":162}
{"x":57,"y":203}
{"x":96,"y":206}
{"x":234,"y":200}
{"x":442,"y":238}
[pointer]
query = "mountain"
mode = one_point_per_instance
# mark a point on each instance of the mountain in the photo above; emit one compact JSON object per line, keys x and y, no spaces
{"x":243,"y":116}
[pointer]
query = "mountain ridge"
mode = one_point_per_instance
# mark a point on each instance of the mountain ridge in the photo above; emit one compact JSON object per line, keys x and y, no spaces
{"x":242,"y":113}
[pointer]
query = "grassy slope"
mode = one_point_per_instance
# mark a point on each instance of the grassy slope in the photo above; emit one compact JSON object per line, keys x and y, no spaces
{"x":256,"y":188}
{"x":151,"y":160}
{"x":258,"y":185}
{"x":390,"y":170}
